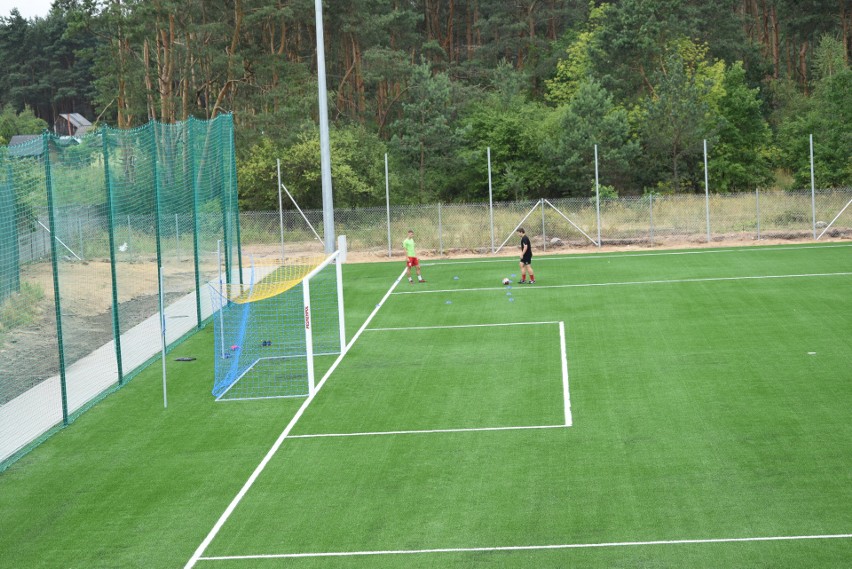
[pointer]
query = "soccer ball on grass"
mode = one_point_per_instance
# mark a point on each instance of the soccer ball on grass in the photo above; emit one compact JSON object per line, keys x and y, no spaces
{"x":506,"y":281}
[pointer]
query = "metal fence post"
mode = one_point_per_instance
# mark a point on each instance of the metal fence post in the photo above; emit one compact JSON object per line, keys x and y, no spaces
{"x":196,"y":228}
{"x":597,"y":196}
{"x":757,"y":207}
{"x":280,"y":208}
{"x":440,"y":231}
{"x":490,"y":202}
{"x":80,"y":237}
{"x":48,"y":180}
{"x":706,"y":191}
{"x":387,"y":202}
{"x":116,"y":329}
{"x":543,"y":235}
{"x":813,"y":189}
{"x":651,"y":211}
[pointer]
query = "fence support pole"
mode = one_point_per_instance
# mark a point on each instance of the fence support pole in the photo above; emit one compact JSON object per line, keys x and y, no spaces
{"x":813,"y":190}
{"x":163,"y":337}
{"x":196,"y":225}
{"x":706,"y":191}
{"x":48,"y":180}
{"x":116,"y":329}
{"x":651,"y":211}
{"x":490,"y":202}
{"x":233,"y":210}
{"x":440,"y":231}
{"x":280,"y":208}
{"x":387,"y":202}
{"x":226,"y":210}
{"x":757,"y":207}
{"x":597,"y":196}
{"x":543,"y":236}
{"x":158,"y":229}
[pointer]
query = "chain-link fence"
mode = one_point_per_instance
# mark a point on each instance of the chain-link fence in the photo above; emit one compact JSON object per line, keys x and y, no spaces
{"x":558,"y":223}
{"x":89,"y":229}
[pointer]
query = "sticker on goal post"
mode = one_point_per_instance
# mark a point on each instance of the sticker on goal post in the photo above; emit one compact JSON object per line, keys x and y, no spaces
{"x":307,"y":318}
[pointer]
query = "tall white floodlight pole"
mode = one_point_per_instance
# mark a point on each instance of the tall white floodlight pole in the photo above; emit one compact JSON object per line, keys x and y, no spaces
{"x":813,"y":189}
{"x":387,"y":202}
{"x":490,"y":201}
{"x":325,"y":151}
{"x":280,"y":209}
{"x":706,"y":191}
{"x":597,"y":196}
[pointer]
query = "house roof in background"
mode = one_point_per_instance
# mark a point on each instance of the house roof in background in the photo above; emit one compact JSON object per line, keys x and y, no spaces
{"x":19,"y":148}
{"x":76,"y":119}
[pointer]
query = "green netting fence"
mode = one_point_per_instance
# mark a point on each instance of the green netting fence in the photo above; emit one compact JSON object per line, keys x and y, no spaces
{"x":89,"y":229}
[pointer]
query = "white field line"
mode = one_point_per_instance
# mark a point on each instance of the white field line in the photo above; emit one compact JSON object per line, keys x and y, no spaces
{"x":527,"y":547}
{"x":566,"y":395}
{"x":581,"y":257}
{"x":568,"y":418}
{"x":459,"y":326}
{"x":238,"y":498}
{"x":425,"y":431}
{"x":632,"y":283}
{"x":262,"y":398}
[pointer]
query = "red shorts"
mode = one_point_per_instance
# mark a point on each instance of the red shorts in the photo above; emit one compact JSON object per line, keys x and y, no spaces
{"x":413,"y":262}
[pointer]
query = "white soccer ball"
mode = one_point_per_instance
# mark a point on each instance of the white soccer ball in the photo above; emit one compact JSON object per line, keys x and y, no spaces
{"x":506,"y":281}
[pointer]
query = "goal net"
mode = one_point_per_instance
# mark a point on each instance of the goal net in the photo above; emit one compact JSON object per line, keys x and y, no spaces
{"x":270,"y":331}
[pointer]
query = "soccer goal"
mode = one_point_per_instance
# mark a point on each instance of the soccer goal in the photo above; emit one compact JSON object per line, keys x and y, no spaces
{"x":269,"y":332}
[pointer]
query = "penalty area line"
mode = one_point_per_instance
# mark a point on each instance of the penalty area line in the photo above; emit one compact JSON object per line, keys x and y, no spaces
{"x":525,"y":547}
{"x":284,"y":434}
{"x":425,"y":431}
{"x":460,"y":326}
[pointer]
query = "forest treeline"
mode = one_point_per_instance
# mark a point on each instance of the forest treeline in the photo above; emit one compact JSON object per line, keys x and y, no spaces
{"x":433,"y":83}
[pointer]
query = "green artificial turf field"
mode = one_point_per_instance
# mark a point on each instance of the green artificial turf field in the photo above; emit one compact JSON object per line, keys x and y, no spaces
{"x":647,"y":409}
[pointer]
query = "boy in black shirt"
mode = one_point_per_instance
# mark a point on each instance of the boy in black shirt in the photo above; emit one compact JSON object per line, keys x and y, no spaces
{"x":526,"y":258}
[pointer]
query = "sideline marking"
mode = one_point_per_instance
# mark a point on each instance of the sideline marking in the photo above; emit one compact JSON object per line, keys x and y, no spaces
{"x":525,"y":547}
{"x":630,"y":283}
{"x":580,"y":256}
{"x":426,"y":431}
{"x":238,"y":498}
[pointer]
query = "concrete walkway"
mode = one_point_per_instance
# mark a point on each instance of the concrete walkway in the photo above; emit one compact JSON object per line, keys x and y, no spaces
{"x":36,"y":411}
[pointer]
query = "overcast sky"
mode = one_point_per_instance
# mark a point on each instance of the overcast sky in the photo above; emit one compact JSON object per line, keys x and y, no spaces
{"x":27,"y":8}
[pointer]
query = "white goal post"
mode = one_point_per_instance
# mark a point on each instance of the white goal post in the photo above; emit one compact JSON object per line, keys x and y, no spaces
{"x":268,"y":333}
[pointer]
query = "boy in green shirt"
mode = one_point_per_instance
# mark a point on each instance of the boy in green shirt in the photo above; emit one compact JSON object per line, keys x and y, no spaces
{"x":411,"y":256}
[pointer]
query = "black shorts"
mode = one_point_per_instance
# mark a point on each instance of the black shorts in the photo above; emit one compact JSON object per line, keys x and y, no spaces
{"x":526,"y":260}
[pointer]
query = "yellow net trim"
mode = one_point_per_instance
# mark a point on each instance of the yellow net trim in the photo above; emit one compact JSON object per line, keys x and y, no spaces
{"x":272,"y":278}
